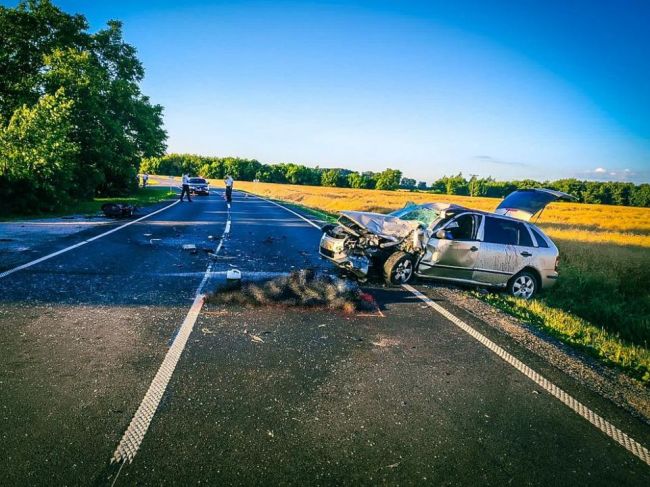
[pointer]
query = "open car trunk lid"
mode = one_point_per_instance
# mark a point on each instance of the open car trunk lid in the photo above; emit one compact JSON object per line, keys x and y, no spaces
{"x":386,"y":226}
{"x":525,"y":203}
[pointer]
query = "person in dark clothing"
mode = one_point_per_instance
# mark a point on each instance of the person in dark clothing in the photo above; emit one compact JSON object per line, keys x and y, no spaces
{"x":186,"y":188}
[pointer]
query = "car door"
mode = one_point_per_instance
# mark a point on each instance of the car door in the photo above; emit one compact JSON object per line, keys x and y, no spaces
{"x":505,"y":249}
{"x":454,"y":256}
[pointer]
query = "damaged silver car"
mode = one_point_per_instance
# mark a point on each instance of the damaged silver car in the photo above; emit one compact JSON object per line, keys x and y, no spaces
{"x":451,"y":242}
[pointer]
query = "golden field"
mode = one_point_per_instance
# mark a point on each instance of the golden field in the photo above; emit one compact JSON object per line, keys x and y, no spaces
{"x":602,"y":300}
{"x":622,"y":225}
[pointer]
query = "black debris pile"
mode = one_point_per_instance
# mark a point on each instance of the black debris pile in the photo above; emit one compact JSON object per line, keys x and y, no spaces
{"x":299,"y":289}
{"x":118,"y":210}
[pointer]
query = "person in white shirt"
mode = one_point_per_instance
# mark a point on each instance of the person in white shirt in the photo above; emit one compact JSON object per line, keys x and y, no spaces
{"x":229,"y":182}
{"x":186,"y":187}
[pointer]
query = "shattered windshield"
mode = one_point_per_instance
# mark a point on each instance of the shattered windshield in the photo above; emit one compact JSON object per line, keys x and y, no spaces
{"x":421,"y":214}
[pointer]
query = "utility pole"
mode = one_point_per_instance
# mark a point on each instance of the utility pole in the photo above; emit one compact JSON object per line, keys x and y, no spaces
{"x":473,"y":184}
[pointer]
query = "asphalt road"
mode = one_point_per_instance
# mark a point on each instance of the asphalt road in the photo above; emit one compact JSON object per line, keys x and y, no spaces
{"x":323,"y":398}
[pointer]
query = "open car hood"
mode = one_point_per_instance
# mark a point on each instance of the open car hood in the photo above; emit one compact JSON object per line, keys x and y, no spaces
{"x":385,"y":226}
{"x":525,"y":203}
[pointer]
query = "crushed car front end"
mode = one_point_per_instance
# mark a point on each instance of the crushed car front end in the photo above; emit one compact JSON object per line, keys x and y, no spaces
{"x":339,"y":247}
{"x":362,"y":240}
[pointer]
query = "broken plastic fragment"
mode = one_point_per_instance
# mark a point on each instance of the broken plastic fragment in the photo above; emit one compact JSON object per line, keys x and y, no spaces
{"x":233,"y":275}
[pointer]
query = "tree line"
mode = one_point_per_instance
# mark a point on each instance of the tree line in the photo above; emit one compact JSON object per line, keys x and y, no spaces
{"x":73,"y":121}
{"x":598,"y":192}
{"x":608,"y":193}
{"x":288,"y":173}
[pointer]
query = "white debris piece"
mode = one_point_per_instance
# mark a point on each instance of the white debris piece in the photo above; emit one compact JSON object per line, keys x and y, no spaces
{"x":189,"y":247}
{"x":233,"y":275}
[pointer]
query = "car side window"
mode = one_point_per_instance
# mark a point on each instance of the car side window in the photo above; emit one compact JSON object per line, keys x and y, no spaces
{"x":541,"y":241}
{"x":524,"y":236}
{"x":507,"y":232}
{"x":500,"y":231}
{"x":463,"y":228}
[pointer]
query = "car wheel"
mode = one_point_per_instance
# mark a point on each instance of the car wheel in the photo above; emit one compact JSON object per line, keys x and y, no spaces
{"x":398,"y":268}
{"x":523,"y":285}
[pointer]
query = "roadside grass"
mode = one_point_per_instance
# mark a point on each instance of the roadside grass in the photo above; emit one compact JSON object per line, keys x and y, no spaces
{"x":601,"y":302}
{"x":571,"y":329}
{"x":143,"y":197}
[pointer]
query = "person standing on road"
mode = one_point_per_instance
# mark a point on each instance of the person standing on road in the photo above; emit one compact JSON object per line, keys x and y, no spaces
{"x":229,"y":182}
{"x":186,"y":187}
{"x":145,"y":180}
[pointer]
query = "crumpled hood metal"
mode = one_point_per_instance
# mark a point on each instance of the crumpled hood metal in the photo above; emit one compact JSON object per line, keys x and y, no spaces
{"x":385,"y":226}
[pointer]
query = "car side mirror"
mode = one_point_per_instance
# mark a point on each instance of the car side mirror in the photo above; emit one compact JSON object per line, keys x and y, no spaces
{"x":441,"y":234}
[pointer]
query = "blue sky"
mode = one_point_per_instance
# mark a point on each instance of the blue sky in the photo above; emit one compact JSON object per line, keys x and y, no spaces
{"x":509,"y":89}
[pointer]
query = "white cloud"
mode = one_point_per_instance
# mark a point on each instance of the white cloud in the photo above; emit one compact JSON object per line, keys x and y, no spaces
{"x":600,"y":170}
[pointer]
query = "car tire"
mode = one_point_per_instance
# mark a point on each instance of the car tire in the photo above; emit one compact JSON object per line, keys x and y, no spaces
{"x":399,"y":268}
{"x":523,"y":285}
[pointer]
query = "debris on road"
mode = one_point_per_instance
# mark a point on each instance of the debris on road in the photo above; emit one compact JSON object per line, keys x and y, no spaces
{"x":256,"y":338}
{"x":118,"y":210}
{"x":384,"y":342}
{"x":299,"y":289}
{"x":233,"y":275}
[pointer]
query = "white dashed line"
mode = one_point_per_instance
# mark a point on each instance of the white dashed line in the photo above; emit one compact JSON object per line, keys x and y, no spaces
{"x":132,"y":439}
{"x":606,"y":427}
{"x":84,"y":242}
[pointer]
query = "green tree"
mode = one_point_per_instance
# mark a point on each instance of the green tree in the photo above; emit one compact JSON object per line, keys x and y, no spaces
{"x":113,"y":124}
{"x":30,"y":31}
{"x":37,"y":151}
{"x":407,"y":183}
{"x":453,"y":184}
{"x":330,"y":177}
{"x":641,"y":195}
{"x":389,"y":179}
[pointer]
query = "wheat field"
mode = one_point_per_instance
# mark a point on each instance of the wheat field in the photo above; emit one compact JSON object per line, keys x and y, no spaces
{"x":620,"y":225}
{"x":604,"y":263}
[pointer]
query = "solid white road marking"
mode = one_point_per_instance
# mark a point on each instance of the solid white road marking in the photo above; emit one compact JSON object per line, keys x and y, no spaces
{"x":605,"y":426}
{"x":133,"y":436}
{"x":289,"y":210}
{"x":610,"y":430}
{"x":84,"y":242}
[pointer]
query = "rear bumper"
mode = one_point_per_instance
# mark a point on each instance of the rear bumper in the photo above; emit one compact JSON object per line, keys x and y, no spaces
{"x":549,"y":278}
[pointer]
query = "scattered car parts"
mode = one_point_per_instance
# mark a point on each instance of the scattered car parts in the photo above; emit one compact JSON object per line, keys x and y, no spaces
{"x":118,"y":210}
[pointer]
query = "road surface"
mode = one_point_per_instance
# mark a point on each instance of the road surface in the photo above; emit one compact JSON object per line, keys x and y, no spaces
{"x":404,"y":396}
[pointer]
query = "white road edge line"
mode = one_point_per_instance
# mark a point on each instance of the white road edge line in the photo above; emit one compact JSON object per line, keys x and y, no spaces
{"x":606,"y":427}
{"x":288,"y":209}
{"x":84,"y":242}
{"x":134,"y":434}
